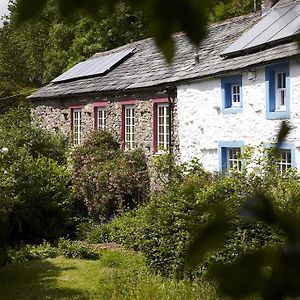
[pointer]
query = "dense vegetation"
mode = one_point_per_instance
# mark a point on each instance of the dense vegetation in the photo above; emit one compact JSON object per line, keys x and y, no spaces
{"x":107,"y":179}
{"x":100,"y":194}
{"x":36,"y":197}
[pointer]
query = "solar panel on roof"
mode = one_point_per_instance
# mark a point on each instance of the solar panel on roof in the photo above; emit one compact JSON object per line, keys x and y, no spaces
{"x":281,"y":23}
{"x":94,"y":66}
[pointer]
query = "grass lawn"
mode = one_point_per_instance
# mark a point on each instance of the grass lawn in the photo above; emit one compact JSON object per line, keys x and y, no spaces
{"x":116,"y":275}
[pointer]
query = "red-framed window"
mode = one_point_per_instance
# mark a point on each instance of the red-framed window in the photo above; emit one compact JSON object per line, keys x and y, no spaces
{"x":161,"y":124}
{"x":128,"y":124}
{"x":100,"y":115}
{"x":76,"y":123}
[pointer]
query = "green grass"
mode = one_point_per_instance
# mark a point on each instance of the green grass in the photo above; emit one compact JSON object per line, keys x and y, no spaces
{"x":116,"y":275}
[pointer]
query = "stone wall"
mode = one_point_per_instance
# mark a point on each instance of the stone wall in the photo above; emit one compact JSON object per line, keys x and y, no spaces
{"x":202,"y":124}
{"x":55,"y":115}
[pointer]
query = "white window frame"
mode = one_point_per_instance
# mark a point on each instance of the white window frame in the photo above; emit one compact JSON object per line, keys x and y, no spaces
{"x":280,"y":91}
{"x":163,"y":139}
{"x":129,"y":120}
{"x":77,"y":125}
{"x":234,"y":161}
{"x":284,"y":160}
{"x":235,"y":95}
{"x":101,"y":117}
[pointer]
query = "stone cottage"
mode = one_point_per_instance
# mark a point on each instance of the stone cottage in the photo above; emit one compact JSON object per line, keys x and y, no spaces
{"x":232,"y":90}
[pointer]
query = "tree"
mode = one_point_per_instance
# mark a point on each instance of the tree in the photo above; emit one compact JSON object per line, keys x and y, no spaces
{"x":43,"y":47}
{"x":164,"y":17}
{"x":83,"y":36}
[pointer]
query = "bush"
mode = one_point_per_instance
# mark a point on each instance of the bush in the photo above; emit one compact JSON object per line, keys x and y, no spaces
{"x":32,"y":252}
{"x":165,"y":227}
{"x":169,"y":220}
{"x":65,"y":248}
{"x":191,"y":200}
{"x":125,"y":230}
{"x":76,"y":250}
{"x":36,"y":199}
{"x":107,"y":179}
{"x":40,"y":199}
{"x":99,"y":234}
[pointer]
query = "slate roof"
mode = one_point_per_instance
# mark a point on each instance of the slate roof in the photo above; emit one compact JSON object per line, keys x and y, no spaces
{"x":147,"y":68}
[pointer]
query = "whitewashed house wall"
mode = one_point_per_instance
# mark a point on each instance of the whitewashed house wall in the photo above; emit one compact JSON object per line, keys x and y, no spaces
{"x":203,"y":124}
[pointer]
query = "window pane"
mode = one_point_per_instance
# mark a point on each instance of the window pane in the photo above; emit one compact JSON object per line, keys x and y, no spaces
{"x":76,"y":126}
{"x":234,"y":159}
{"x":129,"y":127}
{"x":235,"y":94}
{"x":163,"y":126}
{"x":101,"y":117}
{"x":284,"y":160}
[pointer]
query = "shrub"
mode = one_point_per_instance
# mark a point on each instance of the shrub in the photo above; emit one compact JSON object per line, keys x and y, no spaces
{"x":189,"y":202}
{"x":99,"y":234}
{"x":125,"y":229}
{"x":107,"y":179}
{"x":76,"y":250}
{"x":32,"y":252}
{"x":36,"y":199}
{"x":40,"y":199}
{"x":66,"y":248}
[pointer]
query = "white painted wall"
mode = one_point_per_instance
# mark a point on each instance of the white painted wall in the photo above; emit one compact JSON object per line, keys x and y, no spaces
{"x":202,"y":124}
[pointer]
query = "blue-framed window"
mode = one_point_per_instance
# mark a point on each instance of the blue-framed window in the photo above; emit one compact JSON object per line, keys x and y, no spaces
{"x":278,"y":91}
{"x":232,"y":100}
{"x":285,"y":158}
{"x":230,"y":155}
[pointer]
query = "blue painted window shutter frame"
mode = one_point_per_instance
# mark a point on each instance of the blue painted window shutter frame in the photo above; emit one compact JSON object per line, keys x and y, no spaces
{"x":272,"y":101}
{"x":270,"y":75}
{"x":226,"y":86}
{"x":224,"y":158}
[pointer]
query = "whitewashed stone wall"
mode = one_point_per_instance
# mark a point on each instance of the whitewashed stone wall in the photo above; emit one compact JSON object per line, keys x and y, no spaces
{"x":202,"y":124}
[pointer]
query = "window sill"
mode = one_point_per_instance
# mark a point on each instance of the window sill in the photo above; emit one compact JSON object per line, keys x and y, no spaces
{"x":160,"y":152}
{"x":277,"y":115}
{"x":232,"y":110}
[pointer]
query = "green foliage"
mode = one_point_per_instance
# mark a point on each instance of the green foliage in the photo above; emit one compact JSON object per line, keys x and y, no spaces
{"x":65,"y":248}
{"x":83,"y":36}
{"x":169,"y":219}
{"x":200,"y":209}
{"x":126,"y":229}
{"x":32,"y":252}
{"x":19,"y":135}
{"x":269,"y":270}
{"x":107,"y":179}
{"x":76,"y":250}
{"x":161,"y":25}
{"x":43,"y":47}
{"x":225,"y":9}
{"x":99,"y":234}
{"x":36,"y":200}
